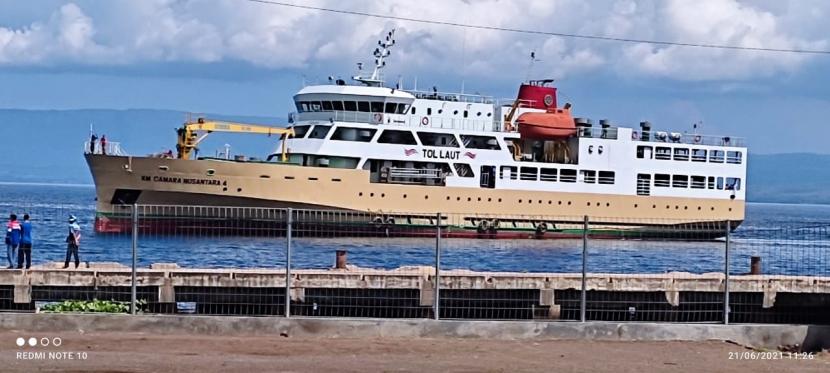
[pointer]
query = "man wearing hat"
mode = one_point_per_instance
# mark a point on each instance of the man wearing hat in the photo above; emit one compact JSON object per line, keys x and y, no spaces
{"x":73,"y":241}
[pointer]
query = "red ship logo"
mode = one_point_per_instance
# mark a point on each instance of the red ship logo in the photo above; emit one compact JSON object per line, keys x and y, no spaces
{"x":409,"y":152}
{"x":470,"y":155}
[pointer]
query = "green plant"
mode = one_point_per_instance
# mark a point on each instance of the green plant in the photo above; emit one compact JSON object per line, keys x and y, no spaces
{"x":95,"y":305}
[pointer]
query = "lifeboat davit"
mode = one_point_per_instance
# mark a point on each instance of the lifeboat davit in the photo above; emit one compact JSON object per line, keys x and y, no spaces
{"x":554,"y":123}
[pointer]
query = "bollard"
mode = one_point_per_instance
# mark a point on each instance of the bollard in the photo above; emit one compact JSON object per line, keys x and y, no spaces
{"x":340,"y":259}
{"x":755,"y":265}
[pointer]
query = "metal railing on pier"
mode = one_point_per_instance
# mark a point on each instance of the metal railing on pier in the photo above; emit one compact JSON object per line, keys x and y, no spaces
{"x":330,"y":263}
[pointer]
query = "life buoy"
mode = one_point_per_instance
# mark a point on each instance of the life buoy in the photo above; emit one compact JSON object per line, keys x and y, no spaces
{"x":635,"y":135}
{"x":390,"y":221}
{"x":378,"y":117}
{"x":697,"y":139}
{"x":377,"y":222}
{"x":424,"y":121}
{"x":494,"y":225}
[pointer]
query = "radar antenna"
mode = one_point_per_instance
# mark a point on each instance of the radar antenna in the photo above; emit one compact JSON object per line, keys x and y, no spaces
{"x":380,"y":53}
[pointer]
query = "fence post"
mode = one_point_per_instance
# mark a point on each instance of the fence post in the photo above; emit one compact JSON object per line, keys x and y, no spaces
{"x":288,"y":227}
{"x":726,"y":275}
{"x":135,"y":249}
{"x":436,"y":309}
{"x":583,"y":300}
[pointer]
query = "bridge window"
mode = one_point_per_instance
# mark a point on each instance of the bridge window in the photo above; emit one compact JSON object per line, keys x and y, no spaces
{"x":319,"y":132}
{"x":547,"y":174}
{"x":300,"y":131}
{"x":315,"y":106}
{"x":377,"y":107}
{"x":662,"y":180}
{"x":710,"y":182}
{"x":719,"y":185}
{"x":390,"y":107}
{"x":349,"y":105}
{"x":528,"y":173}
{"x":353,"y":134}
{"x":397,"y":137}
{"x":327,"y":106}
{"x":402,"y":108}
{"x":606,"y":177}
{"x":567,"y":175}
{"x":337,"y":105}
{"x":363,"y":106}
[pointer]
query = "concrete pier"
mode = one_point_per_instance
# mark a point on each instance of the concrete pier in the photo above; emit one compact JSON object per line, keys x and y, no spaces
{"x":410,"y":290}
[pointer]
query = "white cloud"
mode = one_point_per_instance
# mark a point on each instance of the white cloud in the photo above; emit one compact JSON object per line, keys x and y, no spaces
{"x":135,"y":32}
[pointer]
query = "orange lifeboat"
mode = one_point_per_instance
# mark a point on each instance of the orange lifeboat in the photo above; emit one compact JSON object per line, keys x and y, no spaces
{"x":554,"y":123}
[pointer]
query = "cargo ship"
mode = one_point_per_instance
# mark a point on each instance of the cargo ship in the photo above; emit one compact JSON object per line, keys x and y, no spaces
{"x":399,"y":156}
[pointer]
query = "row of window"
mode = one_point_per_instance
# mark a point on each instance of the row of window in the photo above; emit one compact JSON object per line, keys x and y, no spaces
{"x":686,"y":154}
{"x":400,"y":137}
{"x":551,"y":174}
{"x":371,"y":107}
{"x":362,"y":106}
{"x":695,"y":182}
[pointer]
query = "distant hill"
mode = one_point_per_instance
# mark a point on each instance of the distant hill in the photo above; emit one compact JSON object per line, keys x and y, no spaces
{"x":46,"y":146}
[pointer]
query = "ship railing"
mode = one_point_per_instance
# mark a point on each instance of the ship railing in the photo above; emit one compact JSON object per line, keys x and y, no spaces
{"x":598,"y":133}
{"x":109,"y":148}
{"x":415,"y":173}
{"x":448,"y":96}
{"x":689,"y":138}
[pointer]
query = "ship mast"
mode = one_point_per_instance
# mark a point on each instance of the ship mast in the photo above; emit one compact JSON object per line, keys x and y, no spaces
{"x":380,"y":53}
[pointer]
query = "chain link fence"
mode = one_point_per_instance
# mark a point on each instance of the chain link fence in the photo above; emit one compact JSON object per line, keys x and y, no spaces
{"x":329,"y":263}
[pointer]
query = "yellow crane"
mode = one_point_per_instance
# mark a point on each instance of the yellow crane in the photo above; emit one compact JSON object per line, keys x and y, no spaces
{"x":189,"y":134}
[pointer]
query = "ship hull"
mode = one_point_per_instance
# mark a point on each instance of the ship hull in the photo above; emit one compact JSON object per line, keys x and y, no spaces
{"x":122,"y":181}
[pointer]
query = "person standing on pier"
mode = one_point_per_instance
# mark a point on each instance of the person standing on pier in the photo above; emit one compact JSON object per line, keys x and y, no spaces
{"x":13,"y":234}
{"x":73,"y":242}
{"x":25,"y":251}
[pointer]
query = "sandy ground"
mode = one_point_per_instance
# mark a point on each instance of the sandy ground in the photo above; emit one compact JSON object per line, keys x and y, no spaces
{"x":138,"y":352}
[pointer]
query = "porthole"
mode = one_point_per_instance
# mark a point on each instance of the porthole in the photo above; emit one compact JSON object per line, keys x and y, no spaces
{"x":469,"y":199}
{"x":635,"y":206}
{"x":479,"y":199}
{"x":560,"y":203}
{"x":382,"y":195}
{"x":458,"y":198}
{"x":730,"y":209}
{"x":588,"y":204}
{"x":668,"y":207}
{"x":550,"y":202}
{"x":540,"y":201}
{"x":698,"y":208}
{"x":597,"y":204}
{"x":520,"y":201}
{"x":677,"y":207}
{"x":489,"y":199}
{"x":654,"y":206}
{"x":371,"y":194}
{"x":489,"y":114}
{"x":360,"y":194}
{"x":225,"y":189}
{"x":238,"y":189}
{"x":569,"y":203}
{"x":499,"y":200}
{"x":440,"y":111}
{"x":404,"y":196}
{"x":713,"y":208}
{"x":607,"y":204}
{"x":455,"y":112}
{"x":685,"y":207}
{"x":478,"y":114}
{"x":426,"y":197}
{"x":448,"y":198}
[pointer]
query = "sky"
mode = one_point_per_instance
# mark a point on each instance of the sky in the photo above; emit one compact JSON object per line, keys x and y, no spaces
{"x":248,"y":58}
